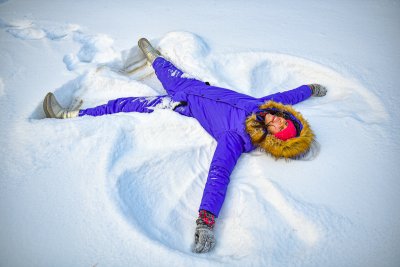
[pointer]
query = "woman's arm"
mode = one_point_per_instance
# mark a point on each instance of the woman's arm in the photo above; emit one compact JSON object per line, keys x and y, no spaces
{"x":229,"y":148}
{"x":297,"y":95}
{"x":290,"y":97}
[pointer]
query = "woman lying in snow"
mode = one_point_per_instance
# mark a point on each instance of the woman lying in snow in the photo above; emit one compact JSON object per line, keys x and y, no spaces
{"x":238,"y":122}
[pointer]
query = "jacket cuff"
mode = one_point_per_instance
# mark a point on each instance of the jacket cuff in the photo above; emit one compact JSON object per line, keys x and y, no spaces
{"x":206,"y":217}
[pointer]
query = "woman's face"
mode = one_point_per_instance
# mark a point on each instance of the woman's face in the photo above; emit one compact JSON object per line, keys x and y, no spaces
{"x":275,"y":123}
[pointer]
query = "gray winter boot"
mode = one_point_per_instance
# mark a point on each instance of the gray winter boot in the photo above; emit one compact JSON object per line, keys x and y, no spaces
{"x":53,"y":109}
{"x":148,"y":50}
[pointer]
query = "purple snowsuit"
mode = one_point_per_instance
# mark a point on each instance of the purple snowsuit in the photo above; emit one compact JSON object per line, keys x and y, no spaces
{"x":221,"y":112}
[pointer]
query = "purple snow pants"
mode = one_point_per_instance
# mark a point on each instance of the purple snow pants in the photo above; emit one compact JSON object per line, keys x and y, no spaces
{"x":171,"y":79}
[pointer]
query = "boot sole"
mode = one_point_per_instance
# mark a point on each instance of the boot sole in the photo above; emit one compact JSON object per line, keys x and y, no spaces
{"x":145,"y":45}
{"x":143,"y":42}
{"x":47,"y":106}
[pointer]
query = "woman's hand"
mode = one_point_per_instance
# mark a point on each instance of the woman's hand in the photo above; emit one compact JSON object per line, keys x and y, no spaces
{"x":318,"y":90}
{"x":204,"y":239}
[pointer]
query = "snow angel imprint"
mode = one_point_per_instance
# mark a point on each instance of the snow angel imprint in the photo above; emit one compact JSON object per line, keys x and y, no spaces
{"x":238,"y":122}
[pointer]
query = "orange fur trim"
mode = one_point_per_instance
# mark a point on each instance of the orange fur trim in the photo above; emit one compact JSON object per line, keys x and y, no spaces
{"x":292,"y":148}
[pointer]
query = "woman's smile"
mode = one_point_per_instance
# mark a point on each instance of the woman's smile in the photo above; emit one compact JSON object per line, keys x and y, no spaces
{"x":275,"y":124}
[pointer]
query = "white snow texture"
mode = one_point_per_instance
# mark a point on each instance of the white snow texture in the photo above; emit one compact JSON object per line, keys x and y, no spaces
{"x":124,"y":189}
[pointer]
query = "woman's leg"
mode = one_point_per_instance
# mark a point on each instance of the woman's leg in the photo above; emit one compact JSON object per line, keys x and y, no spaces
{"x":171,"y":77}
{"x":131,"y":104}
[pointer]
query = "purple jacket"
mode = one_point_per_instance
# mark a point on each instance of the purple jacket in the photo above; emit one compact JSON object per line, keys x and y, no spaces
{"x":221,"y":112}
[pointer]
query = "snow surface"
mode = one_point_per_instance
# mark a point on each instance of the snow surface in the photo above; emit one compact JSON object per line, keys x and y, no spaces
{"x":123,"y":190}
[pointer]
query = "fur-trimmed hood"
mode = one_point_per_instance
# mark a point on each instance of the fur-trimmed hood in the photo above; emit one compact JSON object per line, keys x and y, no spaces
{"x":296,"y":147}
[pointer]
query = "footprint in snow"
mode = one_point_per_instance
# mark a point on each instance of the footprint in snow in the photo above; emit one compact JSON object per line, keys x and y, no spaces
{"x":35,"y":30}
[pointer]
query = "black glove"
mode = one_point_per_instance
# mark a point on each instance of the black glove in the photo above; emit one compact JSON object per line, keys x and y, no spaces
{"x":317,"y":89}
{"x":204,"y":239}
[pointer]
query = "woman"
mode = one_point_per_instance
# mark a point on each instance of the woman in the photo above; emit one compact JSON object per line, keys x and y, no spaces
{"x":238,"y":122}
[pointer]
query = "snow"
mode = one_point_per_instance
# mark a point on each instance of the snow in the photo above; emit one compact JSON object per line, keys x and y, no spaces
{"x":124,"y":189}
